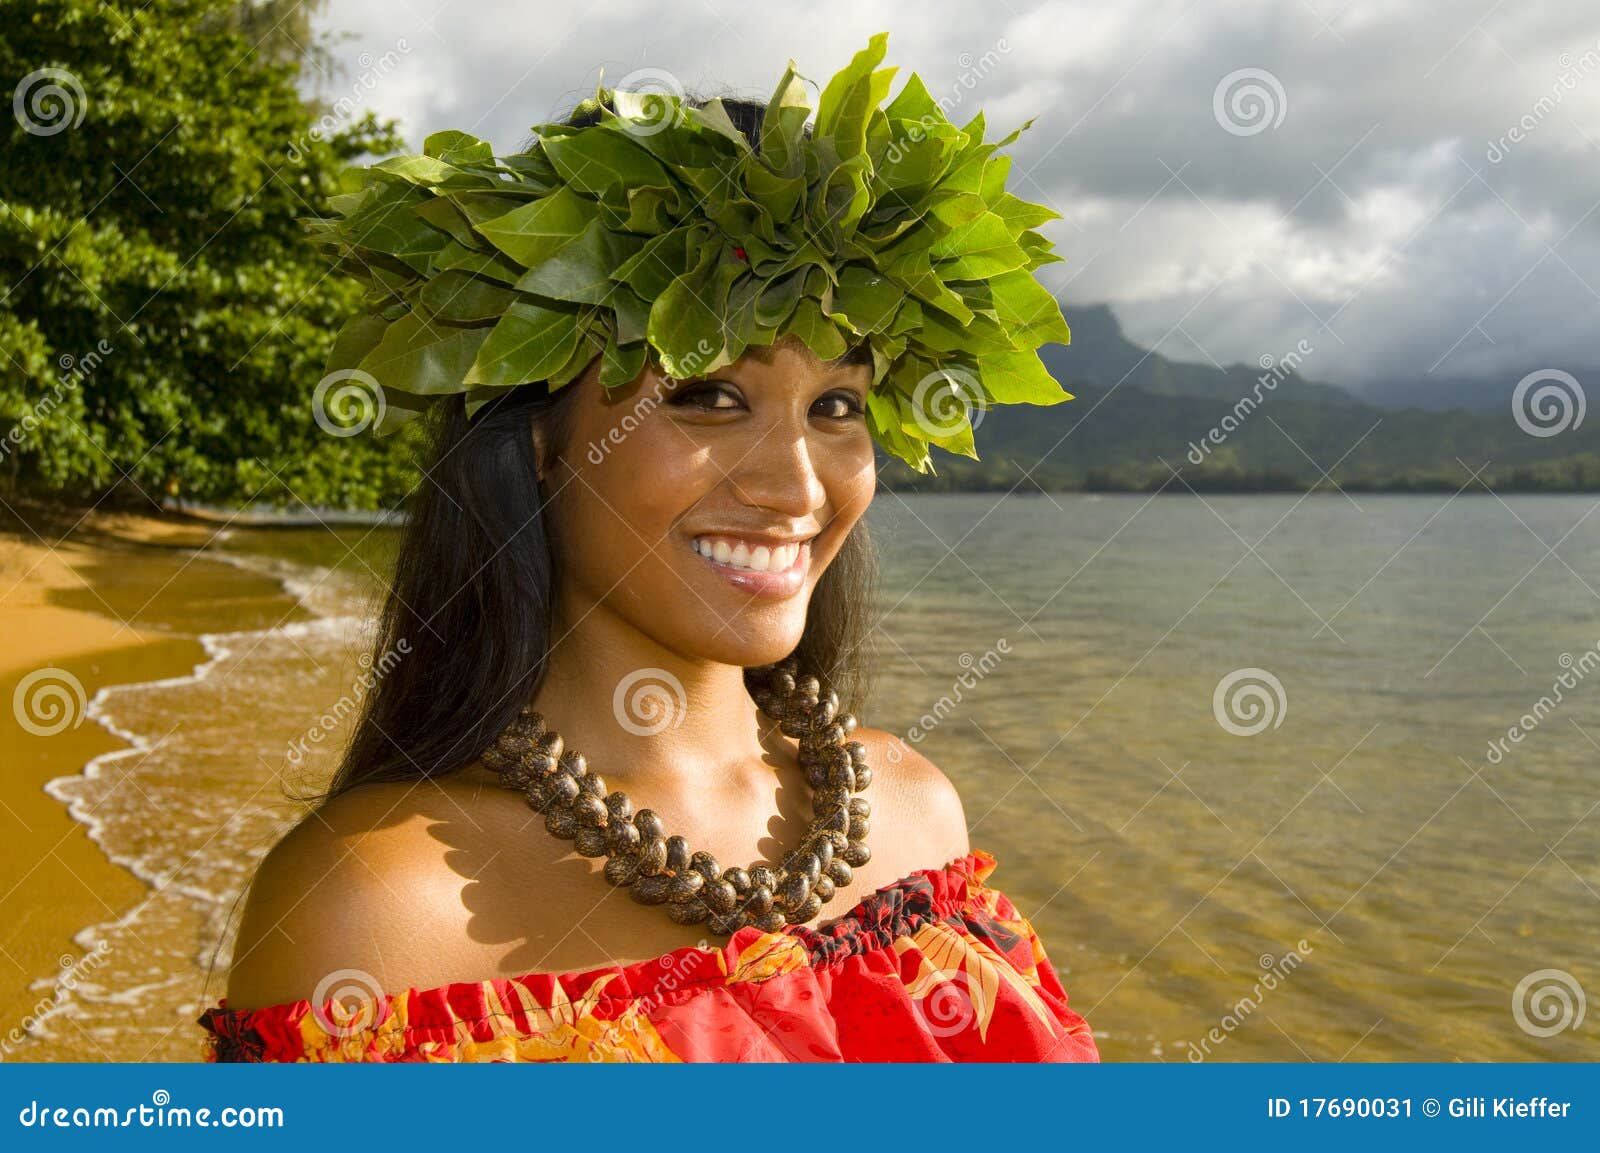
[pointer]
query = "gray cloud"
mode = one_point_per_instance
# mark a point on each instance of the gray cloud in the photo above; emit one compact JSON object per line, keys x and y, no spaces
{"x":1390,"y":217}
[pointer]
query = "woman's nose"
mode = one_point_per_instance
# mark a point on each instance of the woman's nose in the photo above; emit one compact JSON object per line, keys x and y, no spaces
{"x":778,"y":472}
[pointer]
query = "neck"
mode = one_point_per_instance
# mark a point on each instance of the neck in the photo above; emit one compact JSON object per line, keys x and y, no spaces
{"x":639,"y":711}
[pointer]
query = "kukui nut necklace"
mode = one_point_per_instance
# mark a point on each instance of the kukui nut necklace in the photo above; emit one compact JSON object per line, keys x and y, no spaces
{"x":658,"y":869}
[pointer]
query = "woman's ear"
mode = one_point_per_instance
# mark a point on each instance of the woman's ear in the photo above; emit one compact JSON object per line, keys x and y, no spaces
{"x":540,"y":448}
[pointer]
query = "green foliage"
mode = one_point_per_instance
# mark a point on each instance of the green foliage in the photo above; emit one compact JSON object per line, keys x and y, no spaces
{"x":659,"y":231}
{"x":163,"y":318}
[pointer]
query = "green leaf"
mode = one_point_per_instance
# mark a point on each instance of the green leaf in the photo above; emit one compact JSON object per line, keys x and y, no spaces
{"x":820,"y":334}
{"x":866,"y":298}
{"x":358,"y":336}
{"x":580,"y":271}
{"x":458,"y":148}
{"x":528,"y":344}
{"x":1028,"y":310}
{"x":851,"y":96}
{"x":686,"y":331}
{"x":622,"y":363}
{"x":420,"y":356}
{"x":977,"y":251}
{"x":600,"y":160}
{"x":783,"y":125}
{"x":1019,"y":378}
{"x":539,"y":230}
{"x":461,"y":298}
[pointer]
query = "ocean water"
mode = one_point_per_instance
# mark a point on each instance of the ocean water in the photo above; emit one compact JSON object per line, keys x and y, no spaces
{"x":1247,"y":764}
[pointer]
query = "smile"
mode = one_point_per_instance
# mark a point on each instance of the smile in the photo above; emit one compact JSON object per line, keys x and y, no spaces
{"x":757,"y":567}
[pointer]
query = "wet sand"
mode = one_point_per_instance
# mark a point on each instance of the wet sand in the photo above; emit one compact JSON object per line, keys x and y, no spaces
{"x":86,"y":602}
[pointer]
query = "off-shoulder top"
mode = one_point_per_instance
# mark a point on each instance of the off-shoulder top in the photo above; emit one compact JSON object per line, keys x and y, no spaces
{"x":937,"y":966}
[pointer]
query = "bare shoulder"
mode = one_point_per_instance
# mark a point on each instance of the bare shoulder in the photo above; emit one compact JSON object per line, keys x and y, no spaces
{"x":357,"y":890}
{"x":920,"y":798}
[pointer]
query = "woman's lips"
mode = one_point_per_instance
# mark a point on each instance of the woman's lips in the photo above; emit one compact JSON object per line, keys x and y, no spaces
{"x":753,"y":566}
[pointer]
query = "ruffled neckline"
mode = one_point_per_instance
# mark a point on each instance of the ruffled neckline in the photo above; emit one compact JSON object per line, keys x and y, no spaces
{"x":873,"y":922}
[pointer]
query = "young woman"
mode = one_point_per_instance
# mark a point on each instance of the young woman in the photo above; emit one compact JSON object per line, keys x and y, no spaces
{"x":598,"y":811}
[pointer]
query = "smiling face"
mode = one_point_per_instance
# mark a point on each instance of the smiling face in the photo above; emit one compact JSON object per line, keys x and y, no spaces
{"x":702,"y":512}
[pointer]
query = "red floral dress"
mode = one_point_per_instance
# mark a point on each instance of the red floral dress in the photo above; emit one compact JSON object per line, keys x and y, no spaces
{"x":937,"y":966}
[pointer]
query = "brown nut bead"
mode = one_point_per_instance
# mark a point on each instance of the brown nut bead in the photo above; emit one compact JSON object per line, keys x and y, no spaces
{"x":677,"y":854}
{"x":793,"y":891}
{"x":738,"y":878}
{"x":590,"y":810}
{"x":856,"y":854}
{"x":726,"y":924}
{"x":590,"y":842}
{"x":621,"y":835}
{"x":706,"y":865}
{"x":822,"y":849}
{"x":650,"y":890}
{"x":719,"y":896}
{"x":619,"y":806}
{"x":762,"y":876}
{"x":652,"y":856}
{"x":688,"y":912}
{"x":824,"y":888}
{"x":770,"y":922}
{"x":622,"y":870}
{"x":650,"y":824}
{"x":840,"y":873}
{"x":563,"y":790}
{"x":808,"y":909}
{"x":759,"y":901}
{"x":561,"y":823}
{"x":685,"y":885}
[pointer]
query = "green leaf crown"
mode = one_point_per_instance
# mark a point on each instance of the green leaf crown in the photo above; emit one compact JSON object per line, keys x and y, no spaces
{"x":656,"y":227}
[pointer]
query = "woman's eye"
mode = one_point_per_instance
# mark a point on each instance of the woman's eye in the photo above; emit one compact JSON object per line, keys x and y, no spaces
{"x":839,"y":405}
{"x":707,"y":397}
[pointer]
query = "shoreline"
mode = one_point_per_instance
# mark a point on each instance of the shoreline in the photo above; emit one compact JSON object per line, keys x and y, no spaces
{"x":89,"y":604}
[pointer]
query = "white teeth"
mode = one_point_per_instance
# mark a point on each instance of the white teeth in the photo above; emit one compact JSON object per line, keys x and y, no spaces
{"x":740,"y":554}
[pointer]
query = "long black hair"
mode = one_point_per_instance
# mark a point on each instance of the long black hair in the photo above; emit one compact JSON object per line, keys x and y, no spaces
{"x":470,"y":604}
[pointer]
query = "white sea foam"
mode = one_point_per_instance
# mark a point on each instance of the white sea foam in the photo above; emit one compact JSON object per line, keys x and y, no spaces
{"x":189,"y":807}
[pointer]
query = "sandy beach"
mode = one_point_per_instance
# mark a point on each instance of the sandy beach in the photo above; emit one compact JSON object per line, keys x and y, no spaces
{"x":85,"y":603}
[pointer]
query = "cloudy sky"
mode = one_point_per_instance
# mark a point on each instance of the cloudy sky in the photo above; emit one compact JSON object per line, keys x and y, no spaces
{"x":1411,"y":186}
